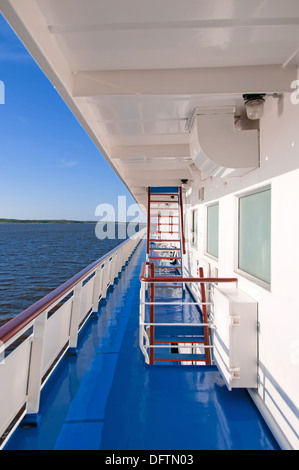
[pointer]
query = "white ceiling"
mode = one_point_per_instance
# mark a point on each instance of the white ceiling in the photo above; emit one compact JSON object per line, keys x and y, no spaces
{"x":133,"y":71}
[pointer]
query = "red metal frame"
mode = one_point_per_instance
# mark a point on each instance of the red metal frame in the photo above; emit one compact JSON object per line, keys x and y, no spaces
{"x":152,"y":279}
{"x":165,"y":249}
{"x":167,"y":267}
{"x":148,"y":219}
{"x":159,"y":225}
{"x":144,"y":278}
{"x":182,"y":221}
{"x":152,"y":316}
{"x":165,"y":240}
{"x":169,"y":202}
{"x":165,"y":194}
{"x":179,"y":201}
{"x":164,"y":209}
{"x":205,"y":320}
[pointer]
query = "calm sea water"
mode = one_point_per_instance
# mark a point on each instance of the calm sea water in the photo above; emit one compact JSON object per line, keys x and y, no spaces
{"x":37,"y":258}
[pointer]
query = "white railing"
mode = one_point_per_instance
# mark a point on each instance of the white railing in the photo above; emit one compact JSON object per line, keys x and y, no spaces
{"x":33,"y":343}
{"x":188,"y":344}
{"x":145,"y":327}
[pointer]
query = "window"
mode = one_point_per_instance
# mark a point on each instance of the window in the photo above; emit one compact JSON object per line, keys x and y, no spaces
{"x":194,"y":228}
{"x":254,"y":237}
{"x":212,"y":229}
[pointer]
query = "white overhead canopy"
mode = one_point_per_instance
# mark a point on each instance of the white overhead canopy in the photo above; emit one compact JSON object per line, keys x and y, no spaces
{"x":134,"y":71}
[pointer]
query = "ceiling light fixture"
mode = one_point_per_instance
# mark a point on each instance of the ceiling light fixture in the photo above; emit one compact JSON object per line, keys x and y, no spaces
{"x":254,"y":104}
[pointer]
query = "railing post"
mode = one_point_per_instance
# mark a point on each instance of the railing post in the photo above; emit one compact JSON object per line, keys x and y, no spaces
{"x":152,"y":315}
{"x":148,"y":219}
{"x":182,"y":220}
{"x":35,"y":368}
{"x":141,"y":314}
{"x":96,"y":290}
{"x":105,"y":273}
{"x":114,"y":273}
{"x":74,"y":325}
{"x":118,"y":263}
{"x":205,"y":320}
{"x":111,"y":275}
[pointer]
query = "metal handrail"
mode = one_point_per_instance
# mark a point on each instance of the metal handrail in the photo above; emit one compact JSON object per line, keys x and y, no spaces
{"x":182,"y":220}
{"x":35,"y":341}
{"x":151,"y":280}
{"x":180,"y":279}
{"x":16,"y":324}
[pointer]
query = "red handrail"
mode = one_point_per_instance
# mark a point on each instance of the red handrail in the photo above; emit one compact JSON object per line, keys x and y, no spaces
{"x":182,"y":221}
{"x":205,"y":320}
{"x":180,"y":279}
{"x":148,"y":219}
{"x":152,"y":315}
{"x":16,"y":324}
{"x":144,"y":278}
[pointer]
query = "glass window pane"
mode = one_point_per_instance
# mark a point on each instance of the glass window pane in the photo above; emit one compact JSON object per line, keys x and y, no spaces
{"x":194,"y":228}
{"x":255,"y":234}
{"x":212,"y":229}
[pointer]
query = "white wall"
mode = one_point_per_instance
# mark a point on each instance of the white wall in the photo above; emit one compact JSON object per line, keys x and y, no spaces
{"x":278,"y":309}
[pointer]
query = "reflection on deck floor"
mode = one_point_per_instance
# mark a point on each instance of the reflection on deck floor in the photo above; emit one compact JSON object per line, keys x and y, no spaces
{"x":107,"y":398}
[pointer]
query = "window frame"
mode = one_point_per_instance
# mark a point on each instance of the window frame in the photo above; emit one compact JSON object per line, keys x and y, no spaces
{"x":262,"y":283}
{"x":194,"y":228}
{"x":216,"y":258}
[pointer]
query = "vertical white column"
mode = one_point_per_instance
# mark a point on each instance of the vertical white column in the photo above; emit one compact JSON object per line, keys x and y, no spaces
{"x":35,"y":368}
{"x":74,"y":325}
{"x":97,"y":289}
{"x":105,"y":274}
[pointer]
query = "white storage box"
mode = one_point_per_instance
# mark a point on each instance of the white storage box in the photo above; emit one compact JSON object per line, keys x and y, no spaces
{"x":235,"y":337}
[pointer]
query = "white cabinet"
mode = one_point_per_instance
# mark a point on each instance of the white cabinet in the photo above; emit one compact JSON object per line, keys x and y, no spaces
{"x":235,"y":337}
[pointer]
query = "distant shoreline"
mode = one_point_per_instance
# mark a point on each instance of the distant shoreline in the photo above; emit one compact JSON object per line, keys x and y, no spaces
{"x":48,"y":221}
{"x":45,"y":221}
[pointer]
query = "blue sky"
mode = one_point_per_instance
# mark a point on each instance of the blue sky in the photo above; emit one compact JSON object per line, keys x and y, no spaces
{"x":49,"y":167}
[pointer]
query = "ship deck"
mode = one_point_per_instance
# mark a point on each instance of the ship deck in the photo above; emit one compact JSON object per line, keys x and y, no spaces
{"x":107,"y":398}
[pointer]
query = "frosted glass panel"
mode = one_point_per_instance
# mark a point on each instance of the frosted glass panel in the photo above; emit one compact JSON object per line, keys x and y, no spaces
{"x":212,"y":234}
{"x":255,"y":234}
{"x":194,"y":228}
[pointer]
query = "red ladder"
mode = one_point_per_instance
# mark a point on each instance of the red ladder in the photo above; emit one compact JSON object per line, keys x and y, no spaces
{"x":165,"y":232}
{"x":165,"y":249}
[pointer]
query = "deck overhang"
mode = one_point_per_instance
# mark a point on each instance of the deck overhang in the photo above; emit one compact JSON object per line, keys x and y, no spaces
{"x":134,"y":76}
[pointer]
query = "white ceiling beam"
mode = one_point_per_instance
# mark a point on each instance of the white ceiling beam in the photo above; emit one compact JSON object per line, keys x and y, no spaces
{"x":174,"y":164}
{"x":168,"y":174}
{"x":159,"y":180}
{"x":140,"y":120}
{"x":211,"y":80}
{"x":174,"y":24}
{"x":149,"y":139}
{"x":154,"y":151}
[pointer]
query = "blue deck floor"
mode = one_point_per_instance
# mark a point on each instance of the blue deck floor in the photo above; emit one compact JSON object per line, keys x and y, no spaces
{"x":107,"y":398}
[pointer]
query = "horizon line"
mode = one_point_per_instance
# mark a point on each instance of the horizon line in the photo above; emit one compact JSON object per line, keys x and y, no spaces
{"x":13,"y":220}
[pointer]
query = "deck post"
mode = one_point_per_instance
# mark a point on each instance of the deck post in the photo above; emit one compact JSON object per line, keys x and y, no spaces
{"x":205,"y":320}
{"x":35,"y":369}
{"x":96,"y":290}
{"x":152,"y":315}
{"x":182,"y":220}
{"x":74,"y":324}
{"x":148,"y":219}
